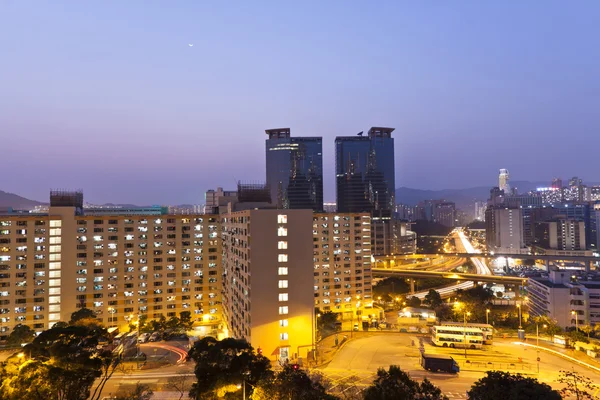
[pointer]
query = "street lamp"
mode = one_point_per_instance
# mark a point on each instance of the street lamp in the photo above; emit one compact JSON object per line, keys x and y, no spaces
{"x":573,"y":312}
{"x":466,"y":314}
{"x":487,"y":316}
{"x":537,"y":332}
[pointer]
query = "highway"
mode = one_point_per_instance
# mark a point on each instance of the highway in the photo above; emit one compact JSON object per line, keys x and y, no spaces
{"x":463,"y":242}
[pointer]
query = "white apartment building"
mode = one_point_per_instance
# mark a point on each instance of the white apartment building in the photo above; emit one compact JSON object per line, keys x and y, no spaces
{"x":567,"y":300}
{"x":342,"y":260}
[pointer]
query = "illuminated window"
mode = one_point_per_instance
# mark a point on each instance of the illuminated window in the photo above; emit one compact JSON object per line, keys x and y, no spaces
{"x":55,"y":224}
{"x":282,"y":245}
{"x":283,"y":297}
{"x":283,"y":323}
{"x":282,"y":219}
{"x":283,"y":284}
{"x":283,"y":336}
{"x":282,"y":258}
{"x":281,"y":231}
{"x":282,"y":271}
{"x":283,"y":310}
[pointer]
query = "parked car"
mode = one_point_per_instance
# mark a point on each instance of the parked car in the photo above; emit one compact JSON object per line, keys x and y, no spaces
{"x":155,"y":337}
{"x":144,"y":337}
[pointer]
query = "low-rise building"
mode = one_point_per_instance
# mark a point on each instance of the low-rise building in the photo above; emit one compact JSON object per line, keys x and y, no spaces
{"x":564,"y":298}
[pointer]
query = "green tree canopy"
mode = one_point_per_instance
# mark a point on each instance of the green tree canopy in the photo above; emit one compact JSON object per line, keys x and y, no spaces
{"x":433,"y":298}
{"x":396,"y":384}
{"x":226,"y":362}
{"x":81,"y":314}
{"x":293,"y":383}
{"x":61,"y":363}
{"x":326,"y":322}
{"x":499,"y":385}
{"x":20,"y":334}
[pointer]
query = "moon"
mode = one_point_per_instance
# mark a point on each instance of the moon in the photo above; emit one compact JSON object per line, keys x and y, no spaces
{"x":191,"y":45}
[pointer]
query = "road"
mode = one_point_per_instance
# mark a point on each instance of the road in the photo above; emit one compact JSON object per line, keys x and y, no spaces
{"x":358,"y":361}
{"x":464,"y":245}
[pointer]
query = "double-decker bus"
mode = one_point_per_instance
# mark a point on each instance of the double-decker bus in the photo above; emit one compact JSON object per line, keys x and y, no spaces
{"x":453,"y":336}
{"x":487,"y":329}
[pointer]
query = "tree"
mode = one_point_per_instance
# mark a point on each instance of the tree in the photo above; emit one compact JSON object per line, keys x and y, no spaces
{"x":140,"y":392}
{"x":180,"y":383}
{"x":413,"y":302}
{"x":326,"y":322}
{"x":577,"y":336}
{"x":20,"y":334}
{"x":433,"y":298}
{"x":61,"y":363}
{"x":185,"y":319}
{"x":577,"y":386}
{"x":587,"y":329}
{"x":226,"y":362}
{"x":499,"y":385}
{"x":293,"y":383}
{"x":82,"y":313}
{"x":397,"y":384}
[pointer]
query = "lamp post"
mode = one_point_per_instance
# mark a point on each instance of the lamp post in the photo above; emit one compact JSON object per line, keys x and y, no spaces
{"x":537,"y":333}
{"x":573,"y":312}
{"x":465,"y":314}
{"x":487,"y":316}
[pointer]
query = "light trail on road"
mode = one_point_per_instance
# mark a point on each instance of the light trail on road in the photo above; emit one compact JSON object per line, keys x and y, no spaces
{"x":480,"y":265}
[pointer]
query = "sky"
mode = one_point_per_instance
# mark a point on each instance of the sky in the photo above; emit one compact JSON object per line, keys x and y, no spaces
{"x":109,"y":96}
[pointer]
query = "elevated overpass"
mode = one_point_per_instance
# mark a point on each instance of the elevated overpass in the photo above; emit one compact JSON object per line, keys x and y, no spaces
{"x":546,"y":257}
{"x":391,"y":272}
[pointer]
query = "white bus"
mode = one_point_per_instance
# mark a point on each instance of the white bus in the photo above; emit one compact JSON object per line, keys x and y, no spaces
{"x":452,"y":336}
{"x":487,"y":329}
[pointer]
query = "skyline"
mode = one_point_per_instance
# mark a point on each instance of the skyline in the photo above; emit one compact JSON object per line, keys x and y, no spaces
{"x":122,"y":100}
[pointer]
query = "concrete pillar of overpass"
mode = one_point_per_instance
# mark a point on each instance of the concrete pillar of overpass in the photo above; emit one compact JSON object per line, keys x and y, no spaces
{"x":412,"y":286}
{"x":588,"y":266}
{"x":506,"y":266}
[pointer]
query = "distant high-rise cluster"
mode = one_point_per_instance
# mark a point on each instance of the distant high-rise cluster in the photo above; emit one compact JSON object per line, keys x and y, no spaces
{"x":553,"y":219}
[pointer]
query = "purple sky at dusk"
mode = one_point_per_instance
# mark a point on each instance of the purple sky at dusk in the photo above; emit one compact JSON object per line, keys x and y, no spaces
{"x":109,"y":97}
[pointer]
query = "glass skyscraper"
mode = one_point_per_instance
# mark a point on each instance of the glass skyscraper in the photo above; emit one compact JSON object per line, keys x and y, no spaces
{"x":294,"y":170}
{"x":365,"y":176}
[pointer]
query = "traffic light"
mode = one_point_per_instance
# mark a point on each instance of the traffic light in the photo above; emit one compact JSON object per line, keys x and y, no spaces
{"x":296,"y":367}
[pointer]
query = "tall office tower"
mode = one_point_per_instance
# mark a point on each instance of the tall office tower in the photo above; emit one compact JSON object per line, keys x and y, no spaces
{"x":294,"y":170}
{"x":268,"y":278}
{"x":365,"y":182}
{"x":365,"y":172}
{"x":504,"y":181}
{"x":480,"y":210}
{"x":342,"y":261}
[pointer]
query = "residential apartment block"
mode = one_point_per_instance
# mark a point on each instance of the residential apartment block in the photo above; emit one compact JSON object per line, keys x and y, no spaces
{"x":342,"y":260}
{"x":267,"y":279}
{"x":120,"y":266}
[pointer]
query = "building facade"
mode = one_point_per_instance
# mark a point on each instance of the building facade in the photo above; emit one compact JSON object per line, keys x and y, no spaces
{"x":365,"y":182}
{"x":119,"y":266}
{"x":565,"y":299}
{"x":294,"y":170}
{"x":342,"y":260}
{"x":504,"y":181}
{"x":504,"y":230}
{"x":268,"y":279}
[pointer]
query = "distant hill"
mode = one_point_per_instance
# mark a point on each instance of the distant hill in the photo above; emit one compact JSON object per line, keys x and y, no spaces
{"x":464,"y":198}
{"x":17,"y":202}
